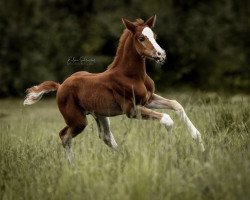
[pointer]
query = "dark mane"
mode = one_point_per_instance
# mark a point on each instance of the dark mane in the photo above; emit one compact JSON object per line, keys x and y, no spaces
{"x":122,"y":40}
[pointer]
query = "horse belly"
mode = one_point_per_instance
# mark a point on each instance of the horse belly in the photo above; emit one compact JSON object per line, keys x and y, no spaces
{"x":100,"y":102}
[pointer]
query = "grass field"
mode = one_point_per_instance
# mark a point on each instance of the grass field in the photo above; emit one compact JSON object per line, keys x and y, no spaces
{"x":147,"y":165}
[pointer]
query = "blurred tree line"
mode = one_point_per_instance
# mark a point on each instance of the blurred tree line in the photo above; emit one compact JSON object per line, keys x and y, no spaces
{"x":208,"y":42}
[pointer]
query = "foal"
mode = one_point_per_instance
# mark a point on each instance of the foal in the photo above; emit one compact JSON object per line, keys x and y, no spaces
{"x":124,"y":88}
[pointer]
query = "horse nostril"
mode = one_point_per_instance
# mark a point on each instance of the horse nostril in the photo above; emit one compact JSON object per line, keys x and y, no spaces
{"x":158,"y":53}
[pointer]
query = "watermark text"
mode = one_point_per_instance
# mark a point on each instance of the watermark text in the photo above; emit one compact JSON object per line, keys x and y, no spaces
{"x":83,"y":60}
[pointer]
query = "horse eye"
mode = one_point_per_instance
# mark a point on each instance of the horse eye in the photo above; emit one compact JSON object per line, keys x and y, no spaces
{"x":141,"y":39}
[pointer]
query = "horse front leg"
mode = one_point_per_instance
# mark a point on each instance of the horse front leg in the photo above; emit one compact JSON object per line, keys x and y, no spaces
{"x":158,"y":102}
{"x":147,"y":114}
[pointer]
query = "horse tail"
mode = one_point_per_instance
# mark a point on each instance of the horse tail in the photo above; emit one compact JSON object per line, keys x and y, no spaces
{"x":35,"y":93}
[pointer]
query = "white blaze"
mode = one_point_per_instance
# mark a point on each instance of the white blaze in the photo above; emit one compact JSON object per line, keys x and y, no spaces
{"x":150,"y":35}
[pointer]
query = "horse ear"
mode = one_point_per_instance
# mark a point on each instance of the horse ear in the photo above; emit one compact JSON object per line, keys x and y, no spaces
{"x":151,"y":21}
{"x":129,"y":25}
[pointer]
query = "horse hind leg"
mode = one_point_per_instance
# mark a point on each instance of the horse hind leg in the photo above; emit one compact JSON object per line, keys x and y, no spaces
{"x":76,"y":122}
{"x":66,"y":142}
{"x":67,"y":134}
{"x":105,"y":134}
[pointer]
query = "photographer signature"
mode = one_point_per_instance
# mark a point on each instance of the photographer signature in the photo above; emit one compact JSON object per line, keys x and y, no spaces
{"x":72,"y":60}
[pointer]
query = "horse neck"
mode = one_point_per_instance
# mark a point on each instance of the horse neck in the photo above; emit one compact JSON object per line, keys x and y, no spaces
{"x":129,"y":62}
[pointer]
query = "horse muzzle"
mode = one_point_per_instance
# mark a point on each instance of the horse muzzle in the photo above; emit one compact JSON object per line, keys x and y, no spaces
{"x":160,"y":57}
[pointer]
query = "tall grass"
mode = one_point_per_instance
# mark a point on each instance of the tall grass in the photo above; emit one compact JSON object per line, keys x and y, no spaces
{"x":149,"y":164}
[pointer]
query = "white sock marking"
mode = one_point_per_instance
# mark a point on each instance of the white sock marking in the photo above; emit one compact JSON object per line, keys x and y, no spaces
{"x":166,"y":119}
{"x":112,"y":140}
{"x":193,"y":131}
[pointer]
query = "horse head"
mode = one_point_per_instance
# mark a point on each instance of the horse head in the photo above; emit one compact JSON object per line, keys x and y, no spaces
{"x":145,"y":39}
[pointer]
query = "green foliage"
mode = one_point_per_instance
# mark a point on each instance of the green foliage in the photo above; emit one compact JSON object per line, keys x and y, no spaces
{"x":206,"y":41}
{"x":148,"y":164}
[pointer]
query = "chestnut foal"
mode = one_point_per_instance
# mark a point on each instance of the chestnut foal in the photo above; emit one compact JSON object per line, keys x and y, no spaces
{"x":124,"y":88}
